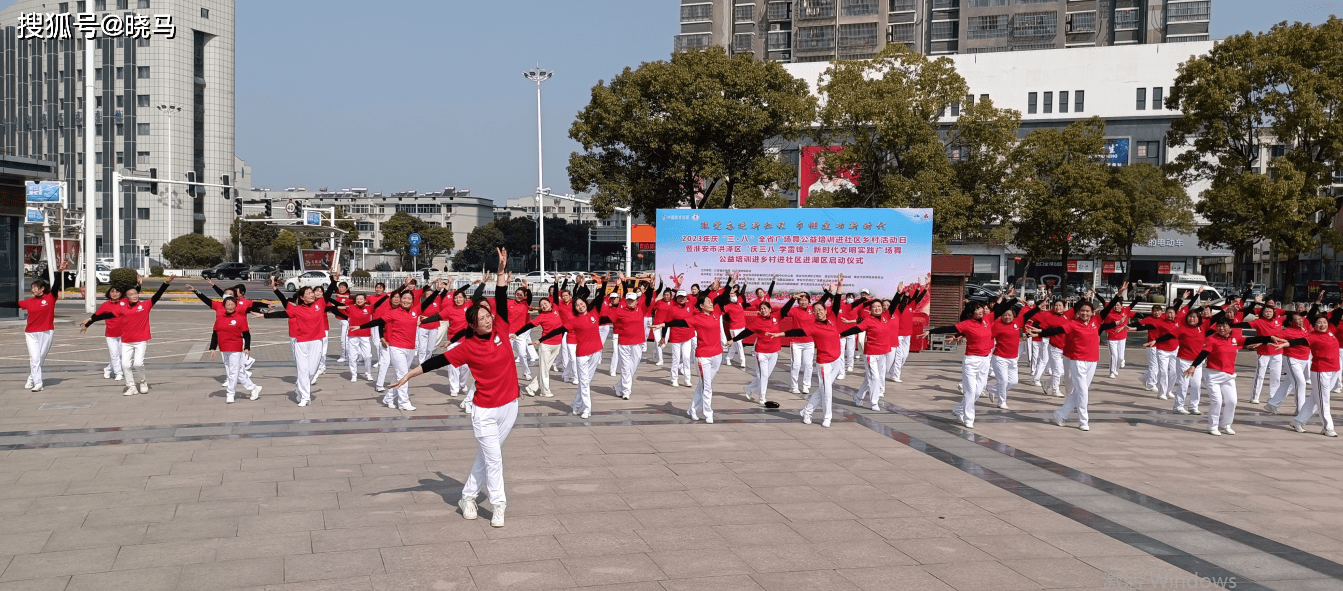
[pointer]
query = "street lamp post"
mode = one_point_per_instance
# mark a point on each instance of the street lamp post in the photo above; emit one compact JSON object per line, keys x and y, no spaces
{"x":171,"y":111}
{"x":539,"y":75}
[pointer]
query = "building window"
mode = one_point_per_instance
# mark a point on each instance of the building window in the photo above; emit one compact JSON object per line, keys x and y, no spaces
{"x":1126,"y":19}
{"x":815,"y":37}
{"x":142,"y":42}
{"x":142,"y":4}
{"x":100,"y":5}
{"x":858,"y":35}
{"x":142,"y":72}
{"x":1030,"y":103}
{"x":97,"y":73}
{"x":778,"y":40}
{"x":364,"y":226}
{"x":858,"y":8}
{"x":1188,"y":11}
{"x":956,"y":109}
{"x":98,"y":101}
{"x":123,"y":4}
{"x":120,"y":103}
{"x":1063,"y":101}
{"x":1049,"y":102}
{"x":744,"y":13}
{"x":142,"y":157}
{"x":986,"y":27}
{"x":1082,"y":22}
{"x":903,"y":5}
{"x":64,"y":7}
{"x":778,"y":11}
{"x":986,"y":3}
{"x":1035,"y":25}
{"x":743,"y":42}
{"x":983,"y":97}
{"x":1156,"y":98}
{"x":943,"y":30}
{"x":142,"y":213}
{"x":901,"y":33}
{"x":142,"y":129}
{"x":688,"y":42}
{"x":121,"y":158}
{"x":941,"y":4}
{"x":1079,"y":100}
{"x":121,"y":129}
{"x":818,"y":8}
{"x":1142,"y":99}
{"x":205,"y":13}
{"x":142,"y":101}
{"x":97,"y":157}
{"x":696,"y":12}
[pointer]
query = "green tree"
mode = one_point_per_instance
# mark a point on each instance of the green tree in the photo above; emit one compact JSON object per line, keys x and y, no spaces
{"x":884,"y":115}
{"x":1141,"y":200}
{"x":981,"y":142}
{"x":193,"y":251}
{"x":255,"y":237}
{"x":483,"y":240}
{"x":396,"y":233}
{"x":1061,"y":180}
{"x":676,"y":132}
{"x":1285,"y":87}
{"x":437,"y":241}
{"x":286,"y":245}
{"x":345,"y":222}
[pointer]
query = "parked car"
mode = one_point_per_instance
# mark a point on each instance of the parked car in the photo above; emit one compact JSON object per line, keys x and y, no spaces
{"x":103,"y":273}
{"x":1171,"y":291}
{"x":227,"y":271}
{"x":260,"y":271}
{"x":320,"y":279}
{"x":979,"y":293}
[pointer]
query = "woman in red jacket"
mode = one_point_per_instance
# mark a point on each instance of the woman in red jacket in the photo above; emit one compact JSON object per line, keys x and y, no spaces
{"x":135,"y":335}
{"x":1081,"y":351}
{"x":1190,"y":335}
{"x":823,"y":327}
{"x":112,"y":332}
{"x":1298,"y":363}
{"x":707,"y":322}
{"x":882,"y":337}
{"x":487,"y":351}
{"x":1219,"y":351}
{"x":234,"y":339}
{"x":1268,"y":360}
{"x":307,"y":334}
{"x":40,"y":326}
{"x":583,"y":331}
{"x":1324,"y":368}
{"x":975,"y":327}
{"x":400,"y":329}
{"x":358,"y":341}
{"x":764,"y":323}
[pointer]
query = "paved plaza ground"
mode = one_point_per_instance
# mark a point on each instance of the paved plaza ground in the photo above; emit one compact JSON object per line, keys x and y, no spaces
{"x":176,"y":490}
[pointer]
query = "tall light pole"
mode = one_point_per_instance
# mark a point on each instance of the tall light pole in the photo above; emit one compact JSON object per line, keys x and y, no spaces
{"x":90,"y":207}
{"x":539,"y":75}
{"x":171,"y":111}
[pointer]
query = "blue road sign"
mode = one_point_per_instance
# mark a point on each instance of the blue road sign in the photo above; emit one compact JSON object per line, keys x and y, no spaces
{"x":312,"y":218}
{"x":415,"y":239}
{"x":414,"y":250}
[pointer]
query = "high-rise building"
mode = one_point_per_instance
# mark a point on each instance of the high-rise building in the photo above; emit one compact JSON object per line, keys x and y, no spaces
{"x":185,"y":61}
{"x":825,"y":30}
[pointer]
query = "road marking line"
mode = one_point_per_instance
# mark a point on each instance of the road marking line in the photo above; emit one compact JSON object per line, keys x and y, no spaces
{"x":195,"y":354}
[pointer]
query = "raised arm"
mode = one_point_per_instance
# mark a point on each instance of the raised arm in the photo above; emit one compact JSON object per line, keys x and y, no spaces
{"x":501,"y":287}
{"x":163,"y":287}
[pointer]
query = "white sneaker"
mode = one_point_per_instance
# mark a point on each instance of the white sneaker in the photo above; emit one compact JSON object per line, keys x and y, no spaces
{"x":1083,"y":428}
{"x":960,"y":388}
{"x":497,"y":515}
{"x":303,"y":403}
{"x":1195,"y":411}
{"x":1298,"y":427}
{"x":897,"y":380}
{"x":747,"y":391}
{"x":825,"y":423}
{"x":806,"y":389}
{"x":37,"y":387}
{"x":587,"y":412}
{"x":390,"y":404}
{"x":1123,"y":364}
{"x":354,"y":378}
{"x":223,"y":384}
{"x":130,"y":391}
{"x":119,"y":378}
{"x":1329,"y":433}
{"x":806,"y":418}
{"x":1058,"y":421}
{"x":1271,"y":408}
{"x":407,"y":408}
{"x":1113,"y":375}
{"x":626,"y":396}
{"x":144,"y":387}
{"x":1180,"y":411}
{"x":313,"y":382}
{"x":1035,"y":382}
{"x":468,"y":508}
{"x":368,"y":377}
{"x":688,"y":383}
{"x":676,"y":383}
{"x":1003,"y":406}
{"x":708,"y":419}
{"x":341,"y":360}
{"x":28,"y":384}
{"x":469,"y":408}
{"x":1163,"y":396}
{"x":228,"y":400}
{"x":1214,"y":431}
{"x":256,"y":393}
{"x":1254,"y":401}
{"x":379,"y":388}
{"x":659,"y":364}
{"x":1227,"y":429}
{"x":107,"y":374}
{"x":794,"y":391}
{"x":876,"y":406}
{"x":320,"y":371}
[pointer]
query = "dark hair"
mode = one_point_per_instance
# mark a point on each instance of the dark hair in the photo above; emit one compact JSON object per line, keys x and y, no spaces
{"x":343,"y":284}
{"x":765,"y":304}
{"x":473,"y":313}
{"x":112,"y":287}
{"x":1085,"y":303}
{"x":1191,"y":312}
{"x":360,"y":295}
{"x":380,"y":284}
{"x":694,"y":286}
{"x":969,"y":311}
{"x":1223,"y":320}
{"x":42,"y":283}
{"x":240,"y":289}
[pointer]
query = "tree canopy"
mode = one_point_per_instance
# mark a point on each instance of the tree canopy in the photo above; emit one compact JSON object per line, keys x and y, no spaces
{"x":434,"y":241}
{"x":1141,"y":199}
{"x":193,"y":251}
{"x":683,"y":130}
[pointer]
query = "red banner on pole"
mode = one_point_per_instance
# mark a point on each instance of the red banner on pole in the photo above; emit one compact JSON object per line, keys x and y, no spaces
{"x":1163,"y":268}
{"x":317,"y":260}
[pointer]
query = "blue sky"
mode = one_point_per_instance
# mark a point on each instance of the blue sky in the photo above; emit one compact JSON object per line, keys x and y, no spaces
{"x":399,"y":95}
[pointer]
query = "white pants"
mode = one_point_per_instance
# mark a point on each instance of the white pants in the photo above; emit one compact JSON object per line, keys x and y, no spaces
{"x":321,"y":356}
{"x":823,"y":396}
{"x":357,"y":348}
{"x":974,"y":376}
{"x":586,"y":368}
{"x":1187,"y":390}
{"x":1117,"y":353}
{"x":132,"y":362}
{"x":803,"y":362}
{"x":1295,"y":383}
{"x":548,"y":355}
{"x":424,"y":344}
{"x":702,"y":402}
{"x":604,"y":331}
{"x":39,"y":344}
{"x":1221,"y":398}
{"x":1079,"y":390}
{"x":1267,"y":366}
{"x":1152,"y":379}
{"x":874,"y":378}
{"x":630,"y":356}
{"x":1167,"y":371}
{"x":1005,"y":376}
{"x":307,"y":358}
{"x":735,"y":347}
{"x":524,"y":353}
{"x":848,"y":345}
{"x":681,"y":354}
{"x":114,"y":355}
{"x":764,"y":366}
{"x":402,"y":361}
{"x":235,"y":373}
{"x":898,"y":359}
{"x":1039,"y":359}
{"x":659,"y":347}
{"x":566,"y":359}
{"x":384,"y":356}
{"x":1319,"y":399}
{"x":1054,"y":363}
{"x":344,"y":338}
{"x":459,"y":378}
{"x":491,"y":427}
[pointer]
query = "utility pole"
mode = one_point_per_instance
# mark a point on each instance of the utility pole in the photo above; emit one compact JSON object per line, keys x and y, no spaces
{"x":539,"y":75}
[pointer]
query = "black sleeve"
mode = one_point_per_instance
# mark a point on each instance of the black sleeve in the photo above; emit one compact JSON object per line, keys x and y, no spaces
{"x":337,"y":313}
{"x":525,"y":328}
{"x":769,"y":293}
{"x":724,"y":298}
{"x":214,"y":341}
{"x":554,"y":333}
{"x":1108,"y":326}
{"x":431,"y":319}
{"x":501,"y":302}
{"x":257,"y":307}
{"x":218,"y":290}
{"x":851,"y":331}
{"x":459,"y":335}
{"x":1336,"y":315}
{"x":1165,"y":337}
{"x":1051,"y":332}
{"x":599,"y":299}
{"x":746,"y":332}
{"x":648,"y":295}
{"x":839,"y":301}
{"x":330,"y":289}
{"x":1241,"y":325}
{"x":1110,"y":306}
{"x":426,"y":297}
{"x":680,"y":323}
{"x":434,"y":363}
{"x":247,"y":340}
{"x":277,"y":314}
{"x":1028,"y":315}
{"x":795,"y":332}
{"x":1202,"y":356}
{"x":1298,"y":342}
{"x":9,"y":304}
{"x":208,"y":302}
{"x":284,"y":300}
{"x":1005,"y":305}
{"x":944,"y":330}
{"x":462,"y":289}
{"x":788,"y":305}
{"x":377,"y":323}
{"x":97,"y":317}
{"x":163,"y":287}
{"x":479,"y":295}
{"x":1258,"y":341}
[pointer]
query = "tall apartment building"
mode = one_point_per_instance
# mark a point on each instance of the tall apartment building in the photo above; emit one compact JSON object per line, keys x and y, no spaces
{"x":42,"y":107}
{"x":825,"y":30}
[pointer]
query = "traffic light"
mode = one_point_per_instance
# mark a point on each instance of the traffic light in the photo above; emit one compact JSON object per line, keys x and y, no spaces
{"x":223,"y":180}
{"x":237,"y":207}
{"x":269,"y":212}
{"x":298,"y":209}
{"x":191,"y":183}
{"x":154,"y":187}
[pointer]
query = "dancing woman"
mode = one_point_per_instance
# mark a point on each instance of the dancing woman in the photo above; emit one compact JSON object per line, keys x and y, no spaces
{"x":233,"y":336}
{"x":1297,"y":356}
{"x":38,"y":329}
{"x":1117,"y":337}
{"x":631,"y":336}
{"x":307,"y":333}
{"x":358,"y":343}
{"x":583,"y":331}
{"x":881,"y":332}
{"x":1082,"y":351}
{"x":135,"y":335}
{"x":707,"y":322}
{"x":975,"y":327}
{"x":825,"y":334}
{"x":486,"y":351}
{"x":1268,"y":360}
{"x":1219,"y":351}
{"x":112,"y":332}
{"x":1324,"y":368}
{"x":765,"y":325}
{"x":400,"y":328}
